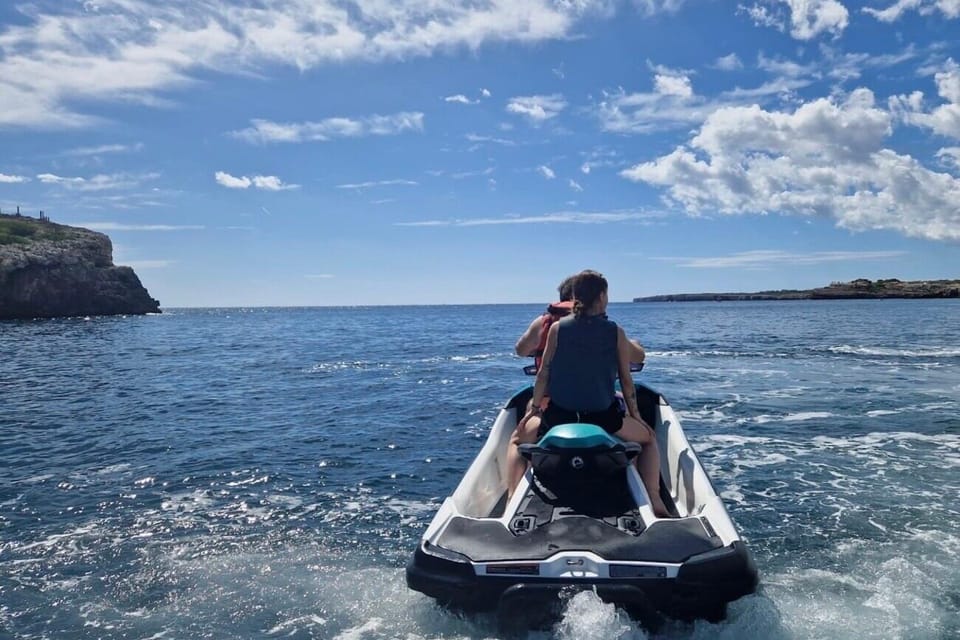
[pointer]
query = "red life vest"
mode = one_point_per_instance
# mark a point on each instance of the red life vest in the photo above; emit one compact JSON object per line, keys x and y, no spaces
{"x":555,"y":311}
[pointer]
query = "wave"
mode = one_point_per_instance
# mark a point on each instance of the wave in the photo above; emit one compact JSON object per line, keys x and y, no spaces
{"x":922,"y":352}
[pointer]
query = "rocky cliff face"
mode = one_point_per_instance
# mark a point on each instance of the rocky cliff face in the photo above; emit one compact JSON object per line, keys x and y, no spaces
{"x":49,"y":270}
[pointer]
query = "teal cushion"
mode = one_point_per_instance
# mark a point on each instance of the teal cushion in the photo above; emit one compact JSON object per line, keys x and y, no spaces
{"x":576,"y":436}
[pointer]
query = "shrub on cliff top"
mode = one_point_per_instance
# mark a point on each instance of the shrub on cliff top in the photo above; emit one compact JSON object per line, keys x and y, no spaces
{"x":25,"y":232}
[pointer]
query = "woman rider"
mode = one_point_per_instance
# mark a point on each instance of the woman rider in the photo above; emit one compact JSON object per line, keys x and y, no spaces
{"x":584,"y":354}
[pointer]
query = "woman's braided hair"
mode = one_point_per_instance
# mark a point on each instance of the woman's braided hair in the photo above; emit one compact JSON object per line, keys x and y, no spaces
{"x":587,"y":288}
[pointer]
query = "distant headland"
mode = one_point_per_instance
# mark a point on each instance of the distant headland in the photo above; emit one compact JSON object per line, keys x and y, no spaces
{"x":50,"y":270}
{"x":854,"y":290}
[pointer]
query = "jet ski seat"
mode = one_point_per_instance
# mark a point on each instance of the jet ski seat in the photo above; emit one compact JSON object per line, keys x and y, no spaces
{"x":578,"y":458}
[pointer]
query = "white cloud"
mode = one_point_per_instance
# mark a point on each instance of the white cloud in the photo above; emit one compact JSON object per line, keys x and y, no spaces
{"x":729,"y":62}
{"x":600,"y":157}
{"x":460,"y":98}
{"x":560,"y":217}
{"x":58,"y":58}
{"x":116,"y":226}
{"x":673,"y":85}
{"x":7,"y":179}
{"x":232,"y":182}
{"x":265,"y":131}
{"x":622,"y":112}
{"x":943,"y":119}
{"x":272,"y":183}
{"x":485,"y":93}
{"x":546,"y":172}
{"x":768,"y":258}
{"x":949,"y":157}
{"x":652,"y":7}
{"x":575,"y":185}
{"x":473,"y":137}
{"x":672,"y":103}
{"x":787,"y":68}
{"x":319,"y":276}
{"x":265,"y":183}
{"x":849,"y":66}
{"x":808,"y":19}
{"x":103,"y":149}
{"x":949,"y":8}
{"x":378,"y":183}
{"x":100,"y":182}
{"x":761,"y":16}
{"x":537,"y":109}
{"x":460,"y":175}
{"x":51,"y":178}
{"x":825,"y":158}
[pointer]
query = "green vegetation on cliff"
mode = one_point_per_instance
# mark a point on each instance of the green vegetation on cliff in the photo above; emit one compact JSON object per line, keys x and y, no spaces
{"x":24,"y":230}
{"x":860,"y":288}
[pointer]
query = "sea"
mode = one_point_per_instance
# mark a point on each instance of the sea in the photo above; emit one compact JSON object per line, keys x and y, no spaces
{"x":268,"y":472}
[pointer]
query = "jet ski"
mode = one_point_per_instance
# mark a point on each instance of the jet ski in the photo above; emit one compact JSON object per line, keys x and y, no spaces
{"x":581,"y":520}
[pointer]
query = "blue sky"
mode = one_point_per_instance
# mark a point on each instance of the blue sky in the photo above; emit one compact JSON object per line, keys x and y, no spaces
{"x":341,"y":152}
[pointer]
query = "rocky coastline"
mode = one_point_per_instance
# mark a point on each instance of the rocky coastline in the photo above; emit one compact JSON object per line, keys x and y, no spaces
{"x":859,"y":289}
{"x":50,"y":270}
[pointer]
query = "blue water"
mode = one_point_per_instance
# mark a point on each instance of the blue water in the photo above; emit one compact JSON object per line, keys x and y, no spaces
{"x":266,"y":473}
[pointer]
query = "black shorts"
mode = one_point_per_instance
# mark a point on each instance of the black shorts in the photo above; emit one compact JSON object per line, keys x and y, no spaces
{"x":610,"y":419}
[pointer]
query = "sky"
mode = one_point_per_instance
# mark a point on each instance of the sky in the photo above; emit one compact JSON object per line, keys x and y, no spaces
{"x":366,"y":152}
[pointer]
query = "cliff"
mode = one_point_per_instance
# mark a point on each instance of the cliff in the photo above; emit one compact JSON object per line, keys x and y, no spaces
{"x":50,"y":270}
{"x":854,"y":290}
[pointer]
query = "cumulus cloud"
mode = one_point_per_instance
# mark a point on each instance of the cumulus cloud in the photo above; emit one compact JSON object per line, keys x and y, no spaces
{"x":825,"y":158}
{"x":265,"y":183}
{"x":546,"y":172}
{"x":673,"y":85}
{"x":265,"y":131}
{"x":575,"y":185}
{"x":806,"y":19}
{"x":232,"y":182}
{"x":7,"y":179}
{"x":537,"y":109}
{"x":943,"y":119}
{"x":949,"y":157}
{"x":58,"y":58}
{"x":949,"y":8}
{"x":460,"y":98}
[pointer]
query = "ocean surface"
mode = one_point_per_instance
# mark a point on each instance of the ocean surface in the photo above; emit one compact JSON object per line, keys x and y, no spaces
{"x":267,"y":473}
